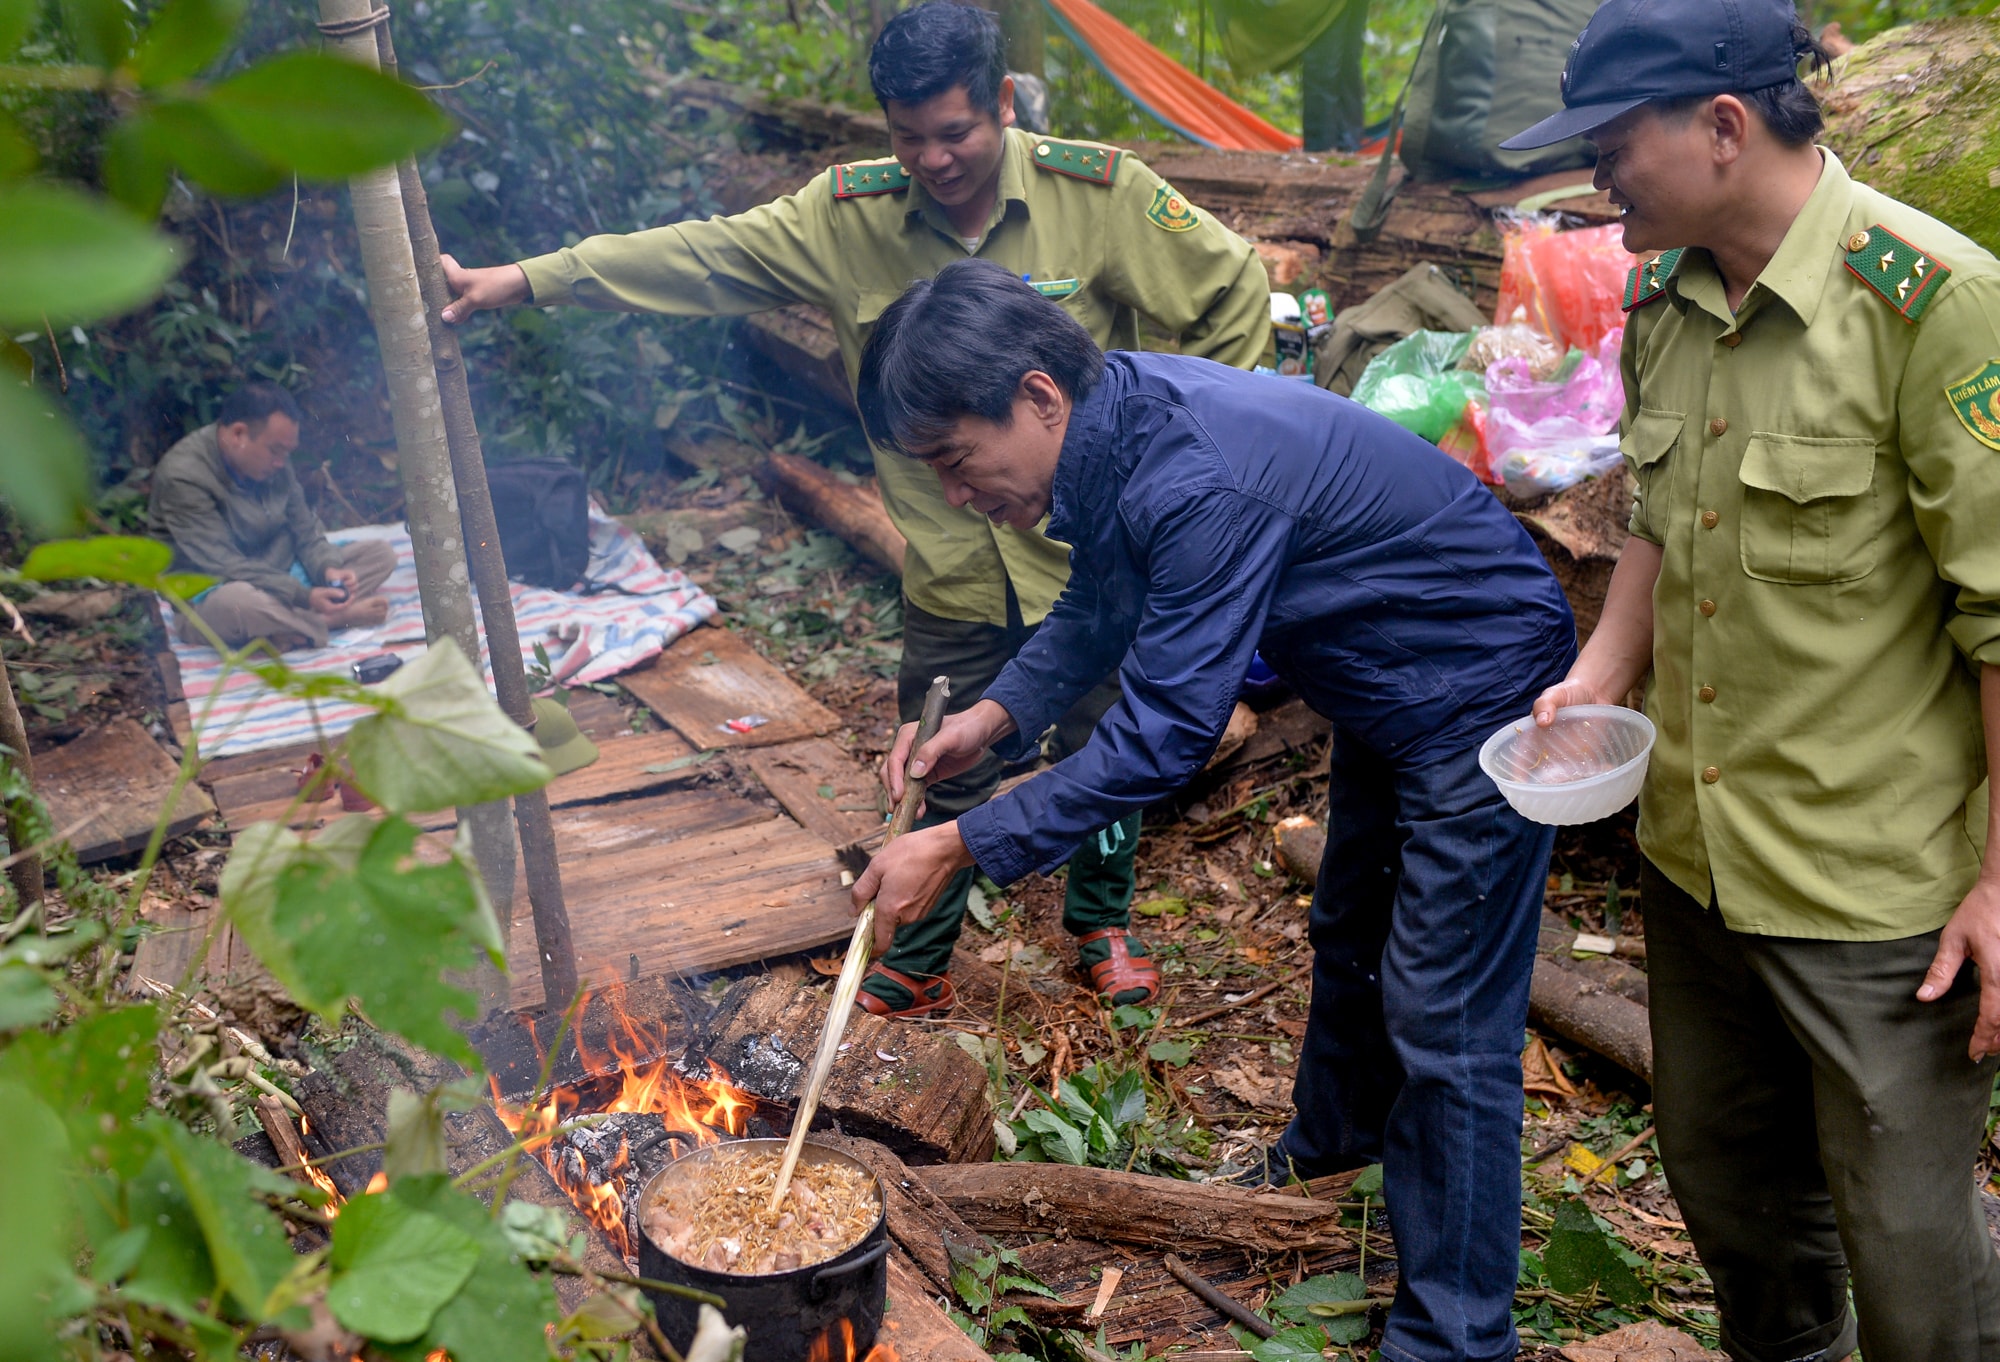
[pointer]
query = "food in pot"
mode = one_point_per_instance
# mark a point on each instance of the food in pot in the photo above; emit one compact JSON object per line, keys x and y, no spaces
{"x":714,"y":1211}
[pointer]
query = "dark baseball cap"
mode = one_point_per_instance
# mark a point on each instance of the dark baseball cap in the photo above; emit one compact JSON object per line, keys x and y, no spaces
{"x":1635,"y":51}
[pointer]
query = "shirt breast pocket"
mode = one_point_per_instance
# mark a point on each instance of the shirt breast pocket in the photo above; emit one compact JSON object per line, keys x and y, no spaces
{"x":1809,"y":508}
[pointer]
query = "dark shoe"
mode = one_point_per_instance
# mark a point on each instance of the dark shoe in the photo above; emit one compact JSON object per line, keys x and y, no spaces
{"x":925,"y":998}
{"x":1269,"y":1171}
{"x":1127,"y":980}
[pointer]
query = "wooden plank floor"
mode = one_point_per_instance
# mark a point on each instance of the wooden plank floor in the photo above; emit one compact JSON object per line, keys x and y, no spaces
{"x":825,"y":789}
{"x":104,"y":791}
{"x":710,"y":677}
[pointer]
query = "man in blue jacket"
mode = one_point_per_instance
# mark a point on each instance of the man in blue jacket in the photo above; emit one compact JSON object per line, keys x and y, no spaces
{"x":1212,"y":513}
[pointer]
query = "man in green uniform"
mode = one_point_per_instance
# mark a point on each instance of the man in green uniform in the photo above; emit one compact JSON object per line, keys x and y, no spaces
{"x":1812,"y":375}
{"x":1088,"y":225}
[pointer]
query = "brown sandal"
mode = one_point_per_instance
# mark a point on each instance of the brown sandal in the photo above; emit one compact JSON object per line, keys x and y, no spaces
{"x":1124,"y":971}
{"x":936,"y":996}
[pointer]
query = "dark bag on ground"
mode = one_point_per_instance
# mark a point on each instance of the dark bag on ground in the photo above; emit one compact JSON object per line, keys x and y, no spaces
{"x":543,"y":510}
{"x":1486,"y":70}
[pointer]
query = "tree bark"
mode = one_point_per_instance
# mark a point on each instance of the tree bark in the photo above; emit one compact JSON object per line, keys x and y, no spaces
{"x":423,"y":457}
{"x":855,"y":513}
{"x":25,"y":874}
{"x":489,"y":573}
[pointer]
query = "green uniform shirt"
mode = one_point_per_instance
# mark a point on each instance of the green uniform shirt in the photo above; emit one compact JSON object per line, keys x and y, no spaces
{"x":1830,"y":520}
{"x":233,"y":529}
{"x":853,"y":239}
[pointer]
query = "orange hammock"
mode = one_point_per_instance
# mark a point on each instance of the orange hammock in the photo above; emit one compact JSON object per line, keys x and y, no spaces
{"x":1162,"y":86}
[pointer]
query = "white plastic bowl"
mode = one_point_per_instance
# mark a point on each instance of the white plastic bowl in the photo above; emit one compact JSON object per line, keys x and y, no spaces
{"x":1587,"y":765}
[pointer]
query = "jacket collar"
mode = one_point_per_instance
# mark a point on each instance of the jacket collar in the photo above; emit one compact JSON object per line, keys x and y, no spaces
{"x":1805,"y":260}
{"x":1082,"y":486}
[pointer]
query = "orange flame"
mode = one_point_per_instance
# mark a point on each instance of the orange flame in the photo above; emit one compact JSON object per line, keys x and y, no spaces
{"x":837,"y":1345}
{"x":704,"y":1109}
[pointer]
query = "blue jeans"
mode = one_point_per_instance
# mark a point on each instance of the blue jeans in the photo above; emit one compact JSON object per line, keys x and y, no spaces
{"x":1423,"y":930}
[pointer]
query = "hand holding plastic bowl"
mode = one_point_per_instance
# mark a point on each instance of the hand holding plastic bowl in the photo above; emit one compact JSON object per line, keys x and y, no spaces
{"x":1587,"y":765}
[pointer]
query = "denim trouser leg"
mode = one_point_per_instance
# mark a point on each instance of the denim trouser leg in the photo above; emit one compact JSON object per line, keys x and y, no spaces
{"x":1423,"y":930}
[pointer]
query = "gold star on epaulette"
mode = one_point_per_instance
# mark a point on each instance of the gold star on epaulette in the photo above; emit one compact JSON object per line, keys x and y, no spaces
{"x":1099,"y":165}
{"x":1648,"y":281}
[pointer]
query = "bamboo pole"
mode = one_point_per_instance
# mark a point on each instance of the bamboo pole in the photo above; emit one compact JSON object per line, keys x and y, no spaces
{"x":553,"y":942}
{"x":423,"y":455}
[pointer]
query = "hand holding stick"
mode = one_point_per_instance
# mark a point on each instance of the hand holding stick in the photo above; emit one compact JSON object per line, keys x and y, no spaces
{"x":852,"y":968}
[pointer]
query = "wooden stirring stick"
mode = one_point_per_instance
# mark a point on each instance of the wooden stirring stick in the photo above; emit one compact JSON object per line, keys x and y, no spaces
{"x":856,"y":963}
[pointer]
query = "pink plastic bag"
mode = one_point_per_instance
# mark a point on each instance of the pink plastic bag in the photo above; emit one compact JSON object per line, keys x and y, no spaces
{"x":1568,"y":285}
{"x":1543,"y":437}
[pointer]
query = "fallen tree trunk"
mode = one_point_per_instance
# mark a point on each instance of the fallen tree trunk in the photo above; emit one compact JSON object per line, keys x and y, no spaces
{"x":853,"y":511}
{"x":1911,"y":113}
{"x":1114,"y":1207}
{"x":1598,"y":1004}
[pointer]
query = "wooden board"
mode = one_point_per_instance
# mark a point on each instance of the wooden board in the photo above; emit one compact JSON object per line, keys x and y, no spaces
{"x":915,"y":1327}
{"x":692,"y":904}
{"x":711,"y":676}
{"x":104,"y":791}
{"x":833,"y":796}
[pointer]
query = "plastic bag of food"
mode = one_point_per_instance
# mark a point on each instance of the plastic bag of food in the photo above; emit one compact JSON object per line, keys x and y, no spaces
{"x":1417,"y":382}
{"x":1567,"y":285}
{"x":1466,"y":441}
{"x":1545,"y":436}
{"x":1491,"y":344}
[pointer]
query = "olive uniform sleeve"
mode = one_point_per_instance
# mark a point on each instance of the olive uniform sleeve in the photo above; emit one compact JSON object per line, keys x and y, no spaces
{"x":1176,"y":264}
{"x":1948,"y":409}
{"x":781,"y":252}
{"x":186,"y":511}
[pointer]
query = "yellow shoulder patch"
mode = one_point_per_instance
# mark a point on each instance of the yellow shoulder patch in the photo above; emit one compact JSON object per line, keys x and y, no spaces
{"x":1975,"y":401}
{"x":1171,"y":211}
{"x":1080,"y":160}
{"x":859,"y":179}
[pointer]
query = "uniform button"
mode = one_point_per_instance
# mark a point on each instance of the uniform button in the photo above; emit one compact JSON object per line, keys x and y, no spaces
{"x":1858,"y":242}
{"x":1733,"y":339}
{"x":1710,"y":774}
{"x":1707,"y":694}
{"x":1709,"y":520}
{"x":1718,"y":426}
{"x":1706,"y":607}
{"x":1042,"y":150}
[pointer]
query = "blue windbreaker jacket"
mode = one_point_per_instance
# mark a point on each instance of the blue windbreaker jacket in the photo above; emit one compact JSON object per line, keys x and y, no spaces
{"x":1212,"y":513}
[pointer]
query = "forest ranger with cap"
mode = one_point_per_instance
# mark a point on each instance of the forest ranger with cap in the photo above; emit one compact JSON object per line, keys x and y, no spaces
{"x":1087,"y":225}
{"x":1812,"y":425}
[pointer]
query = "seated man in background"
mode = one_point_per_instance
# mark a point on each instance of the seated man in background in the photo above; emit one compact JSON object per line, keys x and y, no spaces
{"x":226,"y":500}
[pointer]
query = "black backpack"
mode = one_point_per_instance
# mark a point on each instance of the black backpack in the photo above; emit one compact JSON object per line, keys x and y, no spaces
{"x":543,"y":510}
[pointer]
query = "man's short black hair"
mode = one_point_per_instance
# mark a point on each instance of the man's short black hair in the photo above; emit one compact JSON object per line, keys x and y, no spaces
{"x":255,"y":403}
{"x":958,"y":345}
{"x":1790,"y":110}
{"x":938,"y":46}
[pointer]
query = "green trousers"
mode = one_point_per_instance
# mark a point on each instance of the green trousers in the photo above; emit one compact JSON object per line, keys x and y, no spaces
{"x":1819,"y":1128}
{"x":1099,"y":891}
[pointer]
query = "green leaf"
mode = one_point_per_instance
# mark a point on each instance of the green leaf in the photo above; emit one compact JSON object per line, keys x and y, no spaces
{"x":1579,"y":1255}
{"x":325,"y":116}
{"x":96,"y":1073}
{"x":1174,"y":1052}
{"x":173,"y":1271}
{"x":46,"y":473}
{"x":353,"y":914}
{"x":73,"y":258}
{"x":16,"y":18}
{"x":26,"y":997}
{"x":136,"y":167}
{"x":1128,"y":1017}
{"x":186,"y":585}
{"x":416,"y":1144}
{"x":1298,"y":1305}
{"x":442,"y":740}
{"x":246,"y":1241}
{"x":184,"y":37}
{"x":101,"y":29}
{"x":34,"y":1218}
{"x":611,"y":1313}
{"x":500,"y":1313}
{"x":17,"y":154}
{"x":395,"y":1267}
{"x":1060,"y":1139}
{"x":1300,"y":1343}
{"x":189,"y":135}
{"x":538,"y":1233}
{"x":111,"y":557}
{"x":1124,"y":1103}
{"x":1367,"y":1183}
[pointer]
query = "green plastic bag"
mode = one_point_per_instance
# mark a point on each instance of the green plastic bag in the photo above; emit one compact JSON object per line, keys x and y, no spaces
{"x":1416,"y":383}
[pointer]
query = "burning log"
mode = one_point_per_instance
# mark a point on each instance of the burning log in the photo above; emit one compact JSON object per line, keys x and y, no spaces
{"x":1114,"y":1207}
{"x":909,"y":1088}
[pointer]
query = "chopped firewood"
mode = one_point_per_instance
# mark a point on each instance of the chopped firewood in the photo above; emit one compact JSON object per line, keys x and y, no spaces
{"x":1130,"y":1208}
